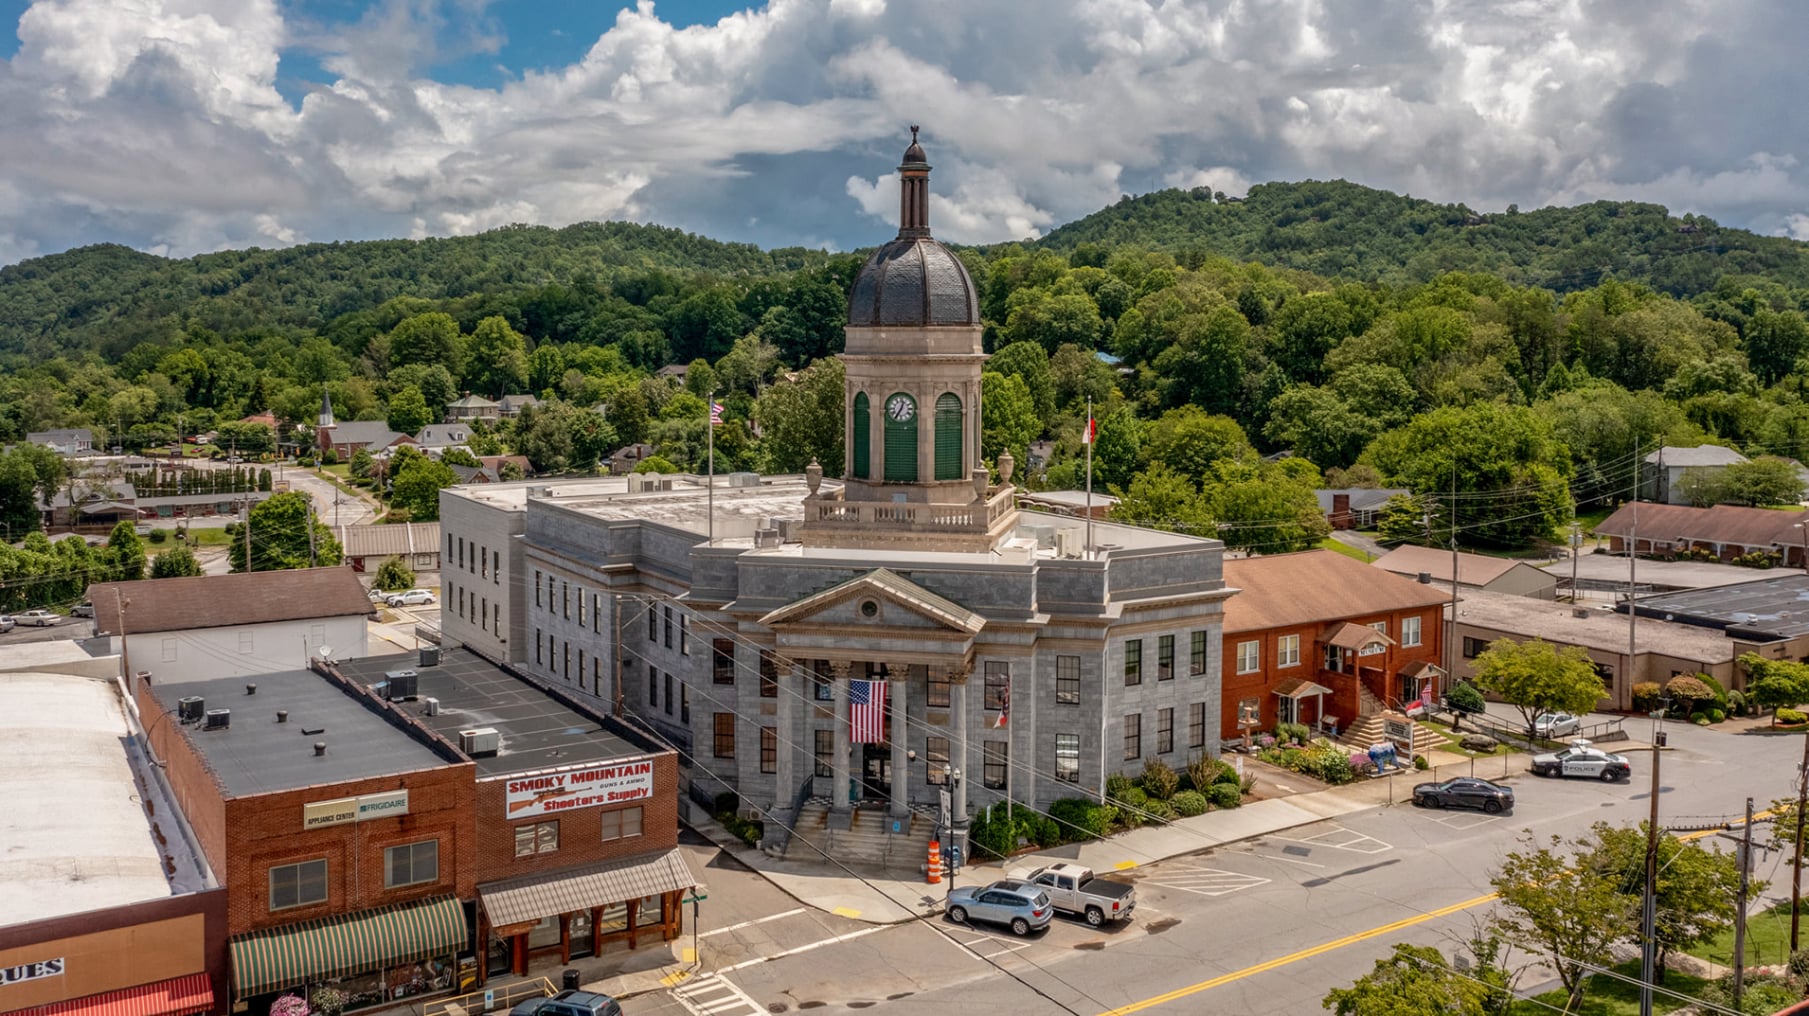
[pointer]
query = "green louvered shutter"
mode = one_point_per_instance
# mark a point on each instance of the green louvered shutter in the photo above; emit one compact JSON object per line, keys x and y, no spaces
{"x":948,"y":437}
{"x":901,"y":443}
{"x":859,"y":437}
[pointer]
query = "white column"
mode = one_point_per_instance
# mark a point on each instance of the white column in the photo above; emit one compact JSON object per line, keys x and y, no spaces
{"x":792,"y":696}
{"x":838,"y":793}
{"x":958,"y":750}
{"x":896,"y":692}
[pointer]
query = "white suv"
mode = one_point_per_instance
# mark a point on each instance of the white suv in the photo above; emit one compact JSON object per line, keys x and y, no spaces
{"x":411,"y":598}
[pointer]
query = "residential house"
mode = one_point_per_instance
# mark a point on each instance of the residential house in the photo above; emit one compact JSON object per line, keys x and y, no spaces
{"x":512,"y":405}
{"x":674,"y":372}
{"x":66,"y":442}
{"x":1724,"y":531}
{"x":416,"y":543}
{"x":1665,"y":482}
{"x":624,"y":459}
{"x":490,"y":469}
{"x":472,"y":407}
{"x":1474,"y":571}
{"x":1355,"y":507}
{"x":90,"y":504}
{"x":233,"y":625}
{"x":435,"y":438}
{"x":1319,"y":638}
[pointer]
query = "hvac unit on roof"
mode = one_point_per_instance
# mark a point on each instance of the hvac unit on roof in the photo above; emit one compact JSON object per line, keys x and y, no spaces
{"x":480,"y":743}
{"x":400,"y":685}
{"x":190,"y":709}
{"x":1067,"y":543}
{"x":219,"y":719}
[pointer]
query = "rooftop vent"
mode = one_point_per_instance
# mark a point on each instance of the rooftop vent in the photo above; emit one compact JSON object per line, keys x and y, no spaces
{"x":282,"y":716}
{"x":1425,"y":578}
{"x":251,"y":689}
{"x":320,"y":748}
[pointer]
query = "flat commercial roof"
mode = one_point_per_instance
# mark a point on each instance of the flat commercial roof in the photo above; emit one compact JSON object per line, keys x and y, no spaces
{"x":65,"y":741}
{"x":537,"y":730}
{"x":1603,"y":630}
{"x":257,"y":755}
{"x":1777,"y":606}
{"x":1682,"y":574}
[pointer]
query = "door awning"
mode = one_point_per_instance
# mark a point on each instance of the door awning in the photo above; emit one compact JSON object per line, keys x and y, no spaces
{"x":178,"y":996}
{"x":330,"y":947}
{"x":1298,"y":688}
{"x":533,"y":897}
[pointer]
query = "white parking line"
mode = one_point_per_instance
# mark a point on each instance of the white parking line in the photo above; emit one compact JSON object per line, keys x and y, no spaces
{"x":1462,"y":820}
{"x":749,"y":924}
{"x":1205,"y":881}
{"x":715,"y":995}
{"x":804,"y":948}
{"x":989,"y":946}
{"x":1340,"y":838}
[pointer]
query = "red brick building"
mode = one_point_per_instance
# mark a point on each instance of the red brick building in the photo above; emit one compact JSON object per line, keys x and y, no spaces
{"x":1322,"y":639}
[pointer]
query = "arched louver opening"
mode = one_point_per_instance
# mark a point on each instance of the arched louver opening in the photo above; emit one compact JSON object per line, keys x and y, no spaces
{"x":901,"y":438}
{"x":948,"y":437}
{"x":859,"y":437}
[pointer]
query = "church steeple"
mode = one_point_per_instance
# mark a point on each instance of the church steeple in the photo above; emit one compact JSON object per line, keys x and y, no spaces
{"x":914,"y":194}
{"x":326,"y":408}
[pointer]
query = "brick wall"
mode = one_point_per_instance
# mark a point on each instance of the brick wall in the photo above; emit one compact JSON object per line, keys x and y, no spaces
{"x":580,"y":830}
{"x":198,"y":795}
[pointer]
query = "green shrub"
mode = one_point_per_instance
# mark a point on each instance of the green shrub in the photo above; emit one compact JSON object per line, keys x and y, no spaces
{"x":1716,"y":716}
{"x":727,"y":802}
{"x":1736,"y":703}
{"x":1131,"y":807}
{"x":1791,"y":716}
{"x":1158,"y":780}
{"x":1117,"y":784}
{"x":1078,"y":818}
{"x":1715,"y":686}
{"x":1203,"y":771}
{"x":159,"y":535}
{"x":996,"y":830}
{"x":1420,"y":763}
{"x":1799,"y":963}
{"x":1161,"y":811}
{"x":1189,"y":803}
{"x":1647,"y":696}
{"x":1300,"y":733}
{"x":1224,"y":795}
{"x":1699,"y":717}
{"x":1247,"y":784}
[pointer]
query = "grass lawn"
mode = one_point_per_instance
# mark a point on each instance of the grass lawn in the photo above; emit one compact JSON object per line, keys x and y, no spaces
{"x":1594,"y":517}
{"x":209,"y":537}
{"x":1767,"y":940}
{"x":1451,"y":739}
{"x":1343,"y":548}
{"x":1608,"y":996}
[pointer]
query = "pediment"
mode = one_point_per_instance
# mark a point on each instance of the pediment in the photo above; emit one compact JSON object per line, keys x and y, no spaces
{"x":894,"y":602}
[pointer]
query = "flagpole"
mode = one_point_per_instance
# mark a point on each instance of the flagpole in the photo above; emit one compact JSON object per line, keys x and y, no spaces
{"x":710,"y":504}
{"x":1089,"y":436}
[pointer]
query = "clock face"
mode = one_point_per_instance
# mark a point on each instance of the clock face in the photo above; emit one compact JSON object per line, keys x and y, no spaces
{"x":901,"y":408}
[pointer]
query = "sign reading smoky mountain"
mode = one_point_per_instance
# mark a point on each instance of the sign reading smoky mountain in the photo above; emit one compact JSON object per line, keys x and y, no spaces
{"x":591,"y":786}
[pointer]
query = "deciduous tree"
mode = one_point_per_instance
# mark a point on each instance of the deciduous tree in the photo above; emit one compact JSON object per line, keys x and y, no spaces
{"x":1554,"y":903}
{"x":280,"y":536}
{"x":174,"y":563}
{"x":1538,"y":677}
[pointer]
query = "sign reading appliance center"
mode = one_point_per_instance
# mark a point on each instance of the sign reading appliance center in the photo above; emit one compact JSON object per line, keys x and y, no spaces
{"x":339,"y":811}
{"x":582,"y":787}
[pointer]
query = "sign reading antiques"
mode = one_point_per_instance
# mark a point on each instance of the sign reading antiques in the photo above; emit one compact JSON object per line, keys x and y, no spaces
{"x":582,"y":787}
{"x":341,"y":810}
{"x":31,"y":971}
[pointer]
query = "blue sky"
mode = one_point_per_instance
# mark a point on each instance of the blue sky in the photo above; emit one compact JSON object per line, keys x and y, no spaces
{"x":181,"y":126}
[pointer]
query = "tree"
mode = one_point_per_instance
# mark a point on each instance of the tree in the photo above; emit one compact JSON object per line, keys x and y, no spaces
{"x":280,"y":529}
{"x":1008,"y":420}
{"x":1463,"y":700}
{"x":1775,"y":684}
{"x":510,"y":472}
{"x":1160,"y":498}
{"x":1417,"y":981}
{"x":1690,"y":693}
{"x":1029,"y":361}
{"x":394,"y":575}
{"x":656,"y":464}
{"x":1695,"y":889}
{"x":558,"y":436}
{"x":1767,"y":480}
{"x":416,"y":488}
{"x":427,"y":339}
{"x":498,"y":363}
{"x":175,"y":563}
{"x":125,"y":555}
{"x":1561,"y":906}
{"x":408,"y":412}
{"x":1189,"y":441}
{"x":801,"y":420}
{"x":362,"y":463}
{"x":1118,"y":446}
{"x":29,"y":474}
{"x":1263,"y":509}
{"x":1537,"y":677}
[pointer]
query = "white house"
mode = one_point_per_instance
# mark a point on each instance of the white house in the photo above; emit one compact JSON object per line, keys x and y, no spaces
{"x":1664,"y":480}
{"x":233,"y":625}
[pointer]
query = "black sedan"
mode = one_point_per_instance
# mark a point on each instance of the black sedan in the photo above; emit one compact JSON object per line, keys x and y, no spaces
{"x":1465,"y":792}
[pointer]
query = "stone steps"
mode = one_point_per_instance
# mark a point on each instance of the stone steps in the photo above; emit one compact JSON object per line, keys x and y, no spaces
{"x":867,"y":842}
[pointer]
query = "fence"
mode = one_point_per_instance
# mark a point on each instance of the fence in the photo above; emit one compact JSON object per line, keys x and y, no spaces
{"x":500,"y":998}
{"x":1509,"y":732}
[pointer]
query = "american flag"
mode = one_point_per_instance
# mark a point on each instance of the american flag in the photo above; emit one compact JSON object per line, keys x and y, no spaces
{"x":867,"y":712}
{"x":715,"y":413}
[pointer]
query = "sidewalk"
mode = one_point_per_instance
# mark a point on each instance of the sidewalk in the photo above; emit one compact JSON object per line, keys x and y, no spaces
{"x":898,"y":895}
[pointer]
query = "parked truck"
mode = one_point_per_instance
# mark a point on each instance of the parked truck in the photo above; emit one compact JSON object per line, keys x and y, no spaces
{"x":1073,"y":889}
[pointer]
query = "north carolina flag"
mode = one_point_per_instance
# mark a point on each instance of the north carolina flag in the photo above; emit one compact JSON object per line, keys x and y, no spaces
{"x":1091,"y":432}
{"x":715,"y":414}
{"x":1004,"y":707}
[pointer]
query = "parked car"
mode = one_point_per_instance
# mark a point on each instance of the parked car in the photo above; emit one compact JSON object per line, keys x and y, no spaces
{"x":1583,"y":759}
{"x":1465,"y":792}
{"x":1555,"y":725}
{"x":1016,"y":904}
{"x":6,"y":623}
{"x":82,"y":610}
{"x":38,"y":618}
{"x":411,"y":598}
{"x":570,"y":1002}
{"x":1074,"y":890}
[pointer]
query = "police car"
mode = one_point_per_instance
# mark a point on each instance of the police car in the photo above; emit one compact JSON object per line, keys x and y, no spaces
{"x":1585,"y":760}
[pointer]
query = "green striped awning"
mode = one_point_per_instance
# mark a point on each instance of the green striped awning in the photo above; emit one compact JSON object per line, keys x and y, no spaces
{"x":331,"y":947}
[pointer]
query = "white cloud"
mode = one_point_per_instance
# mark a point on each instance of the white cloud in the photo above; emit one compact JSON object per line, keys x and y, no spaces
{"x":158,"y":122}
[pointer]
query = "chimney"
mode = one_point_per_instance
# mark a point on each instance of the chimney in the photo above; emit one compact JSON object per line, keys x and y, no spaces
{"x":320,"y":748}
{"x":1341,"y":517}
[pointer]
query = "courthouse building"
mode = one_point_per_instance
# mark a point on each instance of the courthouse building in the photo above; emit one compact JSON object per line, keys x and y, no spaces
{"x":865,"y":642}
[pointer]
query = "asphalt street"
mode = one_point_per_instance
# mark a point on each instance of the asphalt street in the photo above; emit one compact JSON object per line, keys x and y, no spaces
{"x":1263,"y":926}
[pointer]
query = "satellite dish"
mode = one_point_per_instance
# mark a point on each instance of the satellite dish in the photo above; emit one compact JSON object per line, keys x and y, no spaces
{"x":324,"y":652}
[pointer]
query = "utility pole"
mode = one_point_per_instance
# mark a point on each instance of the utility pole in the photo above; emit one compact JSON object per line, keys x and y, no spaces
{"x":248,"y":566}
{"x":1648,"y":953}
{"x":311,"y":532}
{"x":1451,"y":635}
{"x":1796,"y":865}
{"x":1740,"y":907}
{"x":1632,"y":585}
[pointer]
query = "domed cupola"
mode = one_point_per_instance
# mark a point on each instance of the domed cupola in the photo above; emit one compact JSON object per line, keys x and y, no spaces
{"x":914,"y":280}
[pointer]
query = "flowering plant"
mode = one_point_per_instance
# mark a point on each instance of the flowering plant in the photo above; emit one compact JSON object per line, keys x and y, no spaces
{"x":289,"y":1005}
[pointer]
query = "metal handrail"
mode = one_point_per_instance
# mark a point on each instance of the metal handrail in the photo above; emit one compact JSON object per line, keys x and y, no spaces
{"x":501,"y":997}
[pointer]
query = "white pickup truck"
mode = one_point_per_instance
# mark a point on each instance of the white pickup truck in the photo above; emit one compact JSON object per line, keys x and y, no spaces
{"x":1074,"y":890}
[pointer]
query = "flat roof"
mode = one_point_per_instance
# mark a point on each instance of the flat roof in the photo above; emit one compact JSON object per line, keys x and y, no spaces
{"x":66,"y":740}
{"x":1777,"y":606}
{"x":1686,"y":574}
{"x":538,"y":731}
{"x":257,"y":755}
{"x":1604,"y":630}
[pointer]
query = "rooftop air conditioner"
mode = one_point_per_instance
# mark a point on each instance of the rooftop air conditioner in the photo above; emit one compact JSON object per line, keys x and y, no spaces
{"x":219,"y":719}
{"x":1067,"y":543}
{"x":400,"y":685}
{"x":433,"y":706}
{"x":480,"y":743}
{"x":190,"y":708}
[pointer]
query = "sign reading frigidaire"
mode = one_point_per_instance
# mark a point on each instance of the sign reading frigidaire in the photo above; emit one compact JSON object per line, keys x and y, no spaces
{"x":580,"y":787}
{"x":339,"y":811}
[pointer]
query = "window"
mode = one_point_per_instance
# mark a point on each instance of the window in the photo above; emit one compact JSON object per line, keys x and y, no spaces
{"x":1067,"y":680}
{"x":622,"y":823}
{"x":596,"y":675}
{"x":298,"y":885}
{"x":823,"y":747}
{"x":1380,"y":626}
{"x":483,"y":562}
{"x":1374,"y":647}
{"x":411,"y":864}
{"x":496,"y":567}
{"x":1133,"y":737}
{"x":653,"y":622}
{"x":1410,"y":631}
{"x":1249,"y":657}
{"x":653,"y":688}
{"x":580,"y":606}
{"x":1165,"y":658}
{"x":723,"y":743}
{"x":935,"y":753}
{"x":722,"y":664}
{"x":1287,"y":651}
{"x":596,"y":615}
{"x":1473,"y":647}
{"x":461,"y":552}
{"x":1133,"y":662}
{"x":1067,"y":757}
{"x":580,"y":667}
{"x":461,"y":590}
{"x":1606,"y":673}
{"x":820,"y":678}
{"x":1196,"y":661}
{"x":536,"y":838}
{"x":769,"y":675}
{"x":994,"y":755}
{"x":669,"y":695}
{"x":537,"y":641}
{"x":1196,"y":725}
{"x":244,"y":642}
{"x":997,"y":692}
{"x":769,"y":749}
{"x":565,"y":598}
{"x":684,"y":634}
{"x":668,"y":627}
{"x":566,"y":670}
{"x":169,"y":650}
{"x":684,"y":704}
{"x":1165,"y":731}
{"x":935,"y":688}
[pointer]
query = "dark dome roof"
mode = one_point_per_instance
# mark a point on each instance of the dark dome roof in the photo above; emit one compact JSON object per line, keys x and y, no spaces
{"x":913,"y":281}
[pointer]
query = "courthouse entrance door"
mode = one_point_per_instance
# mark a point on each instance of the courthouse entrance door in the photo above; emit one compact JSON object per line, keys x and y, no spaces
{"x":876,"y":772}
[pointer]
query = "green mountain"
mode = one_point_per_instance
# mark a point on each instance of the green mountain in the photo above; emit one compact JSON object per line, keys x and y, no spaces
{"x":1344,"y":230}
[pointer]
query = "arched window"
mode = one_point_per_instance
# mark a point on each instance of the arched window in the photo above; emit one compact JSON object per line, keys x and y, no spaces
{"x":859,"y":437}
{"x":901,"y":438}
{"x":948,"y":437}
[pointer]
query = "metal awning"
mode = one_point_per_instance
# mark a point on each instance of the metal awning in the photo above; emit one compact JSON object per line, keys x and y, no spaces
{"x":330,"y":947}
{"x":1297,"y":688}
{"x":190,"y":993}
{"x":531,"y":898}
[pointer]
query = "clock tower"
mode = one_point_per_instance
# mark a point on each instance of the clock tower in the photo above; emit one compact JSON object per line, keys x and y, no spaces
{"x":911,"y":409}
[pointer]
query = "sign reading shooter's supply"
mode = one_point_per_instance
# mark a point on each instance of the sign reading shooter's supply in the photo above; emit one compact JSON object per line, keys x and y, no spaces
{"x":589,"y":786}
